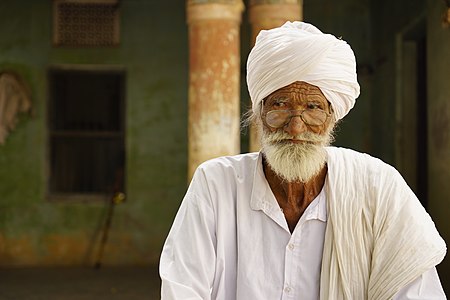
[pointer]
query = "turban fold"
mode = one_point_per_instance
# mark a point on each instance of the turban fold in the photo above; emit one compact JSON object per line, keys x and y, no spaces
{"x":298,"y":51}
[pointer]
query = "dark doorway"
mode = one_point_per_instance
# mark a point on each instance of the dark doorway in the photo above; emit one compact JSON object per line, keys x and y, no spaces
{"x":412,"y":130}
{"x":422,"y":118}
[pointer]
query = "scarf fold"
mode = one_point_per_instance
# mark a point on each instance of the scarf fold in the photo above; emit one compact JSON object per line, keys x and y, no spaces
{"x":379,"y":238}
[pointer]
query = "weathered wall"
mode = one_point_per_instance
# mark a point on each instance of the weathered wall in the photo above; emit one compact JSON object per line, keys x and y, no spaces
{"x":438,"y":45}
{"x":153,"y":51}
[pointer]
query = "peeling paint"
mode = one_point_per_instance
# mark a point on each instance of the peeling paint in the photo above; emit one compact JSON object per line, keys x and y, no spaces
{"x":214,"y":90}
{"x":68,"y":249}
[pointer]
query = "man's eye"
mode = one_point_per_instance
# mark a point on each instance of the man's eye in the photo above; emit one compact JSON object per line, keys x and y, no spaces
{"x":314,"y":106}
{"x":279,"y":104}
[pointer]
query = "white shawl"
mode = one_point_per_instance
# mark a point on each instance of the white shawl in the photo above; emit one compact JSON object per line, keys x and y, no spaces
{"x":379,"y":237}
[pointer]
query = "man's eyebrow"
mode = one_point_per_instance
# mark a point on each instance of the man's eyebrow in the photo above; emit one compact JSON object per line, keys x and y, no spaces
{"x":277,"y":97}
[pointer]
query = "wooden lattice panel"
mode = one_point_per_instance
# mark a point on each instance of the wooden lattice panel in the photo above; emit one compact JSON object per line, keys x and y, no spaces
{"x":81,"y":23}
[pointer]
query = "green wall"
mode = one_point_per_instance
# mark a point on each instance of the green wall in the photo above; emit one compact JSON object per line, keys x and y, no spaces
{"x":153,"y":52}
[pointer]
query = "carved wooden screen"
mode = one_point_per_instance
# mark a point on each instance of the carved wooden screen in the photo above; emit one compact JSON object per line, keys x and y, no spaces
{"x":78,"y":23}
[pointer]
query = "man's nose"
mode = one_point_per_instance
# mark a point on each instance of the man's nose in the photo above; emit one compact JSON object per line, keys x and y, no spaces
{"x":295,"y":126}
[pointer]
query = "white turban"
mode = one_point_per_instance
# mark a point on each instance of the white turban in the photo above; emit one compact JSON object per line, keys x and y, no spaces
{"x":298,"y":51}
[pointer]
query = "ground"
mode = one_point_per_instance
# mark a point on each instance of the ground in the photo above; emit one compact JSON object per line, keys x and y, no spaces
{"x":130,"y":283}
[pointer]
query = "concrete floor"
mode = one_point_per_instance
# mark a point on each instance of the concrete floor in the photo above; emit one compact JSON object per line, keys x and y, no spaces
{"x":130,"y":283}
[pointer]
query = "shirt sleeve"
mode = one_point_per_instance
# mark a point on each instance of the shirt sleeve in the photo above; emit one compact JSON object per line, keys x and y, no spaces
{"x":187,"y":262}
{"x":425,"y":287}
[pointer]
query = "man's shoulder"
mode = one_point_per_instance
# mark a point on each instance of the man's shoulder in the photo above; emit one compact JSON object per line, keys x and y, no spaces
{"x":346,"y":152}
{"x":228,"y":170}
{"x":234,"y":161}
{"x":350,"y":157}
{"x":241,"y":165}
{"x":351,"y":154}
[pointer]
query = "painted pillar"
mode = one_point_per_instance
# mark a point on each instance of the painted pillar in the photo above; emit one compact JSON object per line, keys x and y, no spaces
{"x":214,"y":78}
{"x":267,"y":14}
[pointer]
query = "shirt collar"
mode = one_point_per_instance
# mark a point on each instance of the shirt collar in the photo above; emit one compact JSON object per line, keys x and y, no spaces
{"x":259,"y":188}
{"x":316,"y":210}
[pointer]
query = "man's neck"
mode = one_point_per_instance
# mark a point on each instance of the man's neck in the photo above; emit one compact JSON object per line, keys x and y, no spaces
{"x":294,"y":197}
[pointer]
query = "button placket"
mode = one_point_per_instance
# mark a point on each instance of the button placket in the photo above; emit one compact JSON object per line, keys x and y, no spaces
{"x":290,"y":263}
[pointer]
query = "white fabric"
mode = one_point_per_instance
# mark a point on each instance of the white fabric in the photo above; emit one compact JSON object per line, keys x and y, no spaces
{"x":298,"y":51}
{"x":427,"y":286}
{"x":378,"y":234}
{"x":230,"y":241}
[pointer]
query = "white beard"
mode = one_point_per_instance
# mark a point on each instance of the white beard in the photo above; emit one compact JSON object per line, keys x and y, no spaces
{"x":295,"y":161}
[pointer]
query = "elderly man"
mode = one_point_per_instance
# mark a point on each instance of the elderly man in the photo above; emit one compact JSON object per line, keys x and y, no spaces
{"x":300,"y":219}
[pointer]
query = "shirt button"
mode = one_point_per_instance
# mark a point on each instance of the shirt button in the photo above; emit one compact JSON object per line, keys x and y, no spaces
{"x":291,"y":246}
{"x":287,"y":289}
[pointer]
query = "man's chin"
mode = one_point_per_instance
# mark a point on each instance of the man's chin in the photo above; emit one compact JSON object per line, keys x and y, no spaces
{"x":295,"y":158}
{"x":295,"y":162}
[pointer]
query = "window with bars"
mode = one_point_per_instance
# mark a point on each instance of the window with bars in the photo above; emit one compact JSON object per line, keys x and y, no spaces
{"x":86,"y":132}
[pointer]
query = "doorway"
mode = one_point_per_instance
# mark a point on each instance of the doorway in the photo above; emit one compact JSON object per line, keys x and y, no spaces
{"x":411,"y":107}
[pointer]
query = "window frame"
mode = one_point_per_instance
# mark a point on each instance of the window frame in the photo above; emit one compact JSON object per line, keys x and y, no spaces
{"x":92,"y":197}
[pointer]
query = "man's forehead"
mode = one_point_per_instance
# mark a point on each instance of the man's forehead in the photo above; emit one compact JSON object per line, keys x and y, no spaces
{"x":299,"y":87}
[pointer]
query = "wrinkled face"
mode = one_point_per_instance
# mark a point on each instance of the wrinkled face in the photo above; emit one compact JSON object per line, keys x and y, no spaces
{"x":297,"y":125}
{"x":311,"y":110}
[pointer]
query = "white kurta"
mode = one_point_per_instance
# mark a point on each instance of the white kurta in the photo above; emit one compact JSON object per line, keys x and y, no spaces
{"x":230,"y":240}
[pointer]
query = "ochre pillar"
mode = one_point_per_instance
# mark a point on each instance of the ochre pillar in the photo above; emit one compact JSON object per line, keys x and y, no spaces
{"x":267,"y":14}
{"x":214,"y":77}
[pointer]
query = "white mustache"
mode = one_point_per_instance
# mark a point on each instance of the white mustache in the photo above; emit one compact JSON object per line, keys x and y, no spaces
{"x":281,"y":136}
